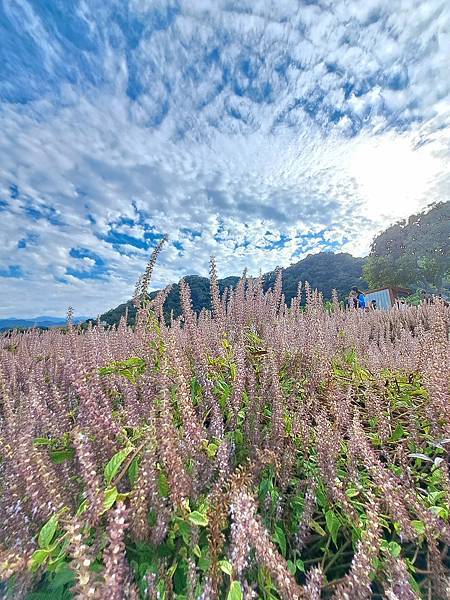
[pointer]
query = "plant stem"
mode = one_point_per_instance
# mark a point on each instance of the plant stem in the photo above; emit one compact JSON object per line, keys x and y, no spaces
{"x":337,"y":555}
{"x":128,"y":463}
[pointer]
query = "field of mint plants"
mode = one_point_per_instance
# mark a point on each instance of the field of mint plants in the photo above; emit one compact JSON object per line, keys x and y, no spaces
{"x":254,"y":451}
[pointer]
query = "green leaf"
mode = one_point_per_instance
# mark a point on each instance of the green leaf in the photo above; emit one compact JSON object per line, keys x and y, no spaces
{"x":57,"y":562}
{"x":238,"y":438}
{"x":322,"y":499}
{"x":62,"y":578}
{"x":59,"y":456}
{"x":42,"y":441}
{"x":133,"y":470}
{"x":197,"y":518}
{"x":161,"y":587}
{"x":115,"y":462}
{"x":204,"y":563}
{"x":211,"y":449}
{"x":397,"y":527}
{"x":184,"y":529}
{"x":300,"y":565}
{"x":333,"y":525}
{"x":317,"y":528}
{"x":398,"y":433}
{"x":418,"y":526}
{"x":128,"y":374}
{"x":436,"y":496}
{"x":110,"y":497}
{"x":233,"y":371}
{"x":82,"y":508}
{"x":291,"y":566}
{"x":415,"y":586}
{"x":235,"y":591}
{"x":172,"y":570}
{"x":38,"y":558}
{"x":226,"y":567}
{"x":47,"y":532}
{"x":135,"y":362}
{"x":280,"y":538}
{"x":163,"y":485}
{"x":130,"y":368}
{"x":395,"y":549}
{"x":440,"y":511}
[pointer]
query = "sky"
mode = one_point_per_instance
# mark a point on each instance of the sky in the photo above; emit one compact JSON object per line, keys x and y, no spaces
{"x":257,"y":131}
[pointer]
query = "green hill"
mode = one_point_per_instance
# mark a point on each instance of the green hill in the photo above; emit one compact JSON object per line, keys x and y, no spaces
{"x":323,"y":271}
{"x":414,"y":252}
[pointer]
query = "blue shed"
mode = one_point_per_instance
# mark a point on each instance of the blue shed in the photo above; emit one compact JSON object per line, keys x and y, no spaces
{"x":387,"y":297}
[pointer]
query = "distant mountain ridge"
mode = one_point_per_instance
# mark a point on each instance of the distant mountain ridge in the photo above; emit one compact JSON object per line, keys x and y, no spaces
{"x":325,"y":271}
{"x":41,"y":321}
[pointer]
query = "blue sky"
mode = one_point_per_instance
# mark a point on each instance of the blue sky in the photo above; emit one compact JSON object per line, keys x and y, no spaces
{"x":255,"y":130}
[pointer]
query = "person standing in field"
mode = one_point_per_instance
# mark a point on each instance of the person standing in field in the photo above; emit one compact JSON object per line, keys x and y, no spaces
{"x":359,"y":300}
{"x":441,"y":299}
{"x":400,"y":304}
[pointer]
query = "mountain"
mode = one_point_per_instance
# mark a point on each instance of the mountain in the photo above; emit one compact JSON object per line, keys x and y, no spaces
{"x":325,"y":271}
{"x":41,"y":322}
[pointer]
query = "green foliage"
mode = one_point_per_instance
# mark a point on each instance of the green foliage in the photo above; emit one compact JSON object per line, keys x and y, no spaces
{"x":280,"y":539}
{"x":59,"y":456}
{"x":47,"y":532}
{"x":333,"y":525}
{"x":226,"y":567}
{"x":235,"y":592}
{"x":111,"y":495}
{"x":115,"y":463}
{"x":133,"y":471}
{"x":131,"y":369}
{"x":59,"y":448}
{"x":55,"y":585}
{"x":197,"y":518}
{"x":384,"y":271}
{"x":325,"y":271}
{"x":413,"y":253}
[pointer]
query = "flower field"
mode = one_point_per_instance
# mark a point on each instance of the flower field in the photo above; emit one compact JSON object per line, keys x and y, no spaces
{"x":254,"y":451}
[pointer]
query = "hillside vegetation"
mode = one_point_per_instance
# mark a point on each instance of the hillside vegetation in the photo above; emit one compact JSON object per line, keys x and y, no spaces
{"x":414,"y":252}
{"x":324,"y":271}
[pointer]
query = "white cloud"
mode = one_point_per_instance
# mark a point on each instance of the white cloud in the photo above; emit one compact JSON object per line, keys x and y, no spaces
{"x":223,"y":118}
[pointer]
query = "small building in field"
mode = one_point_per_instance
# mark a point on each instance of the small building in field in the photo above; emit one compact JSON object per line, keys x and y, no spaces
{"x":388,"y":297}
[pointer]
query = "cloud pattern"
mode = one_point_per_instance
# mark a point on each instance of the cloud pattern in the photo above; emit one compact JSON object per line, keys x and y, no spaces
{"x":255,"y":130}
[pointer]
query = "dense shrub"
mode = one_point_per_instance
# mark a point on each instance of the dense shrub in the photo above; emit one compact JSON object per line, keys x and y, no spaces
{"x":255,"y":451}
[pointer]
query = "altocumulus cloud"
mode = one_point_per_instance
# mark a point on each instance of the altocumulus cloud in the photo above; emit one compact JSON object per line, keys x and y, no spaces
{"x":258,"y":131}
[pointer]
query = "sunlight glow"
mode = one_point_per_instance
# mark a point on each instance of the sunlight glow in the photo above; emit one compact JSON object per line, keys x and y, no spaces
{"x":392,"y":176}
